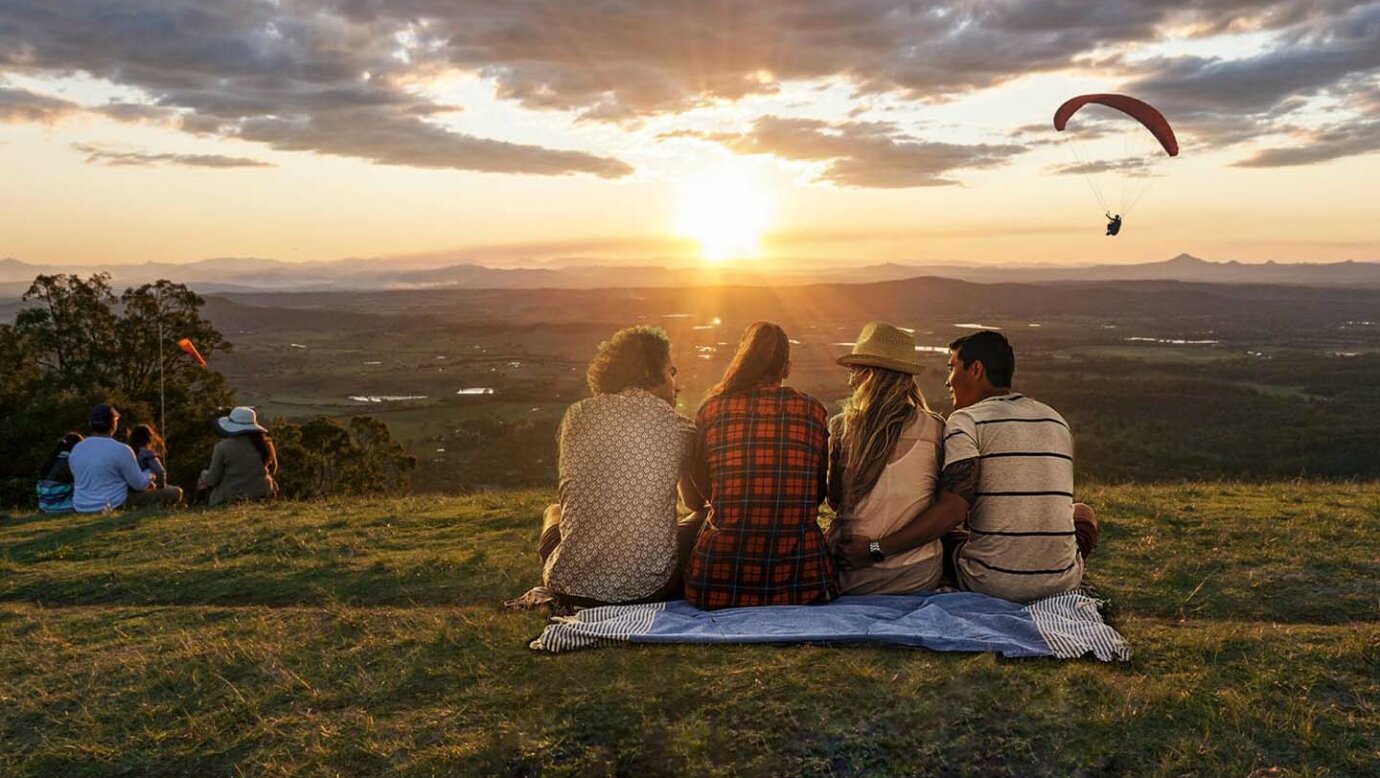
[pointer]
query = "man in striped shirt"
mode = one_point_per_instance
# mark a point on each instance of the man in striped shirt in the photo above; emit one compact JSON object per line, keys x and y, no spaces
{"x":1008,"y":471}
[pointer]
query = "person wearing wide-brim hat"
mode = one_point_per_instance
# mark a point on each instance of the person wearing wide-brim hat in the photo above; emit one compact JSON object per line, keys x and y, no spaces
{"x":239,"y":421}
{"x":882,"y":345}
{"x":885,"y":451}
{"x":242,"y":465}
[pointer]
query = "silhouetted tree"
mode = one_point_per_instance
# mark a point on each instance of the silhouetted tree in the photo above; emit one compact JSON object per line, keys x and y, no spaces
{"x":323,"y":457}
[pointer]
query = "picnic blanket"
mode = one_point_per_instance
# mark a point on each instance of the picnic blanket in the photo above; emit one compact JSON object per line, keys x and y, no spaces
{"x":1066,"y":626}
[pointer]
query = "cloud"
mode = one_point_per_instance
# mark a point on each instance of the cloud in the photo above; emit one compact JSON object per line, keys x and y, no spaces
{"x":1229,"y":101}
{"x":139,"y":112}
{"x":297,"y":76}
{"x":625,"y":59}
{"x":1336,"y":142}
{"x":865,"y":154}
{"x":21,"y":105}
{"x":98,"y":155}
{"x":1132,"y":167}
{"x":382,"y":137}
{"x":339,"y":76}
{"x":614,"y":61}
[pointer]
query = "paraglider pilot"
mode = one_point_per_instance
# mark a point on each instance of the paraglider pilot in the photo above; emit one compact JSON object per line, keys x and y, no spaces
{"x":1113,"y":226}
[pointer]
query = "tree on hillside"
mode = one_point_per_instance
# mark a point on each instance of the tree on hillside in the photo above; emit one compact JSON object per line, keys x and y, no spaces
{"x":170,"y":309}
{"x":323,"y":457}
{"x":70,"y":329}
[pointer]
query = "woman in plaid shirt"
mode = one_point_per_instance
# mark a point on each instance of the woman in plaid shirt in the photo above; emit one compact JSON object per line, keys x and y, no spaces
{"x":762,"y":463}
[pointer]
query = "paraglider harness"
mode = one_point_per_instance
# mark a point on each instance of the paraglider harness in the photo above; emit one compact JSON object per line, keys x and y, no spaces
{"x":1113,"y":226}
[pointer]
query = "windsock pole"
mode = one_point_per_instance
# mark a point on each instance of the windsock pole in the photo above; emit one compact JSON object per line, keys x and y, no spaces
{"x":162,"y":398}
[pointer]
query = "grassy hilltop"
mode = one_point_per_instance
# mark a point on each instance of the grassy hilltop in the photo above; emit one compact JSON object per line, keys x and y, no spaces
{"x":352,"y":638}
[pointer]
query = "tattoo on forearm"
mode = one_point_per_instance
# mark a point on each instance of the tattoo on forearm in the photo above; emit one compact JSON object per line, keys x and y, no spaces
{"x":961,"y":478}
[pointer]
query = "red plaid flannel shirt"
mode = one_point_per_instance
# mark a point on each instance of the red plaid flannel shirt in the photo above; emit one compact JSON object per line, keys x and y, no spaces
{"x":767,"y":455}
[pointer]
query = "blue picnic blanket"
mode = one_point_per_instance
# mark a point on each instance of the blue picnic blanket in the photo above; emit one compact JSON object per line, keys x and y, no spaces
{"x":1066,"y":626}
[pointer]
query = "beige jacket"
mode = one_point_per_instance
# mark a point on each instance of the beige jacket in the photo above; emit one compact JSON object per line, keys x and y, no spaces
{"x":237,"y":472}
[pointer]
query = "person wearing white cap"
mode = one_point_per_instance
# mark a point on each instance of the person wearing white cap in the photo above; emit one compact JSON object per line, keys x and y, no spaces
{"x":242,"y":465}
{"x":885,"y":450}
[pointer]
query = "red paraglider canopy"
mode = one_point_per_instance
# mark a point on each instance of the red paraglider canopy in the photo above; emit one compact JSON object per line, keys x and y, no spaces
{"x":1139,"y":110}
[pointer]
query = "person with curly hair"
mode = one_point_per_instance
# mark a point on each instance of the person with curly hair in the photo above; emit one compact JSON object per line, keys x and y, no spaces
{"x":614,"y":537}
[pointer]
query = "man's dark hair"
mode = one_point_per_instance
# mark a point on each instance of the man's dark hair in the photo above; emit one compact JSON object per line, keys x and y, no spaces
{"x":103,"y":419}
{"x":636,"y":356}
{"x":992,"y":350}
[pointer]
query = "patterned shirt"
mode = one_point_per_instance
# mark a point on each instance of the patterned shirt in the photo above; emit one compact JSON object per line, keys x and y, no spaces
{"x":1023,"y":545}
{"x":767,"y":463}
{"x":621,"y":456}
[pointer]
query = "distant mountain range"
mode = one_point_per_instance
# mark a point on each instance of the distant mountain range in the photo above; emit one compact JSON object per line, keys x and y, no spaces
{"x":235,"y":274}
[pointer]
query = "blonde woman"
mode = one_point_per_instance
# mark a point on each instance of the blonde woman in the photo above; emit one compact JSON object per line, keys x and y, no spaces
{"x":885,"y":454}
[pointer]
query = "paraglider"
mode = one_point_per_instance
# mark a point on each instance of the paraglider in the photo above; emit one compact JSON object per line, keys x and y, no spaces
{"x":1138,"y":162}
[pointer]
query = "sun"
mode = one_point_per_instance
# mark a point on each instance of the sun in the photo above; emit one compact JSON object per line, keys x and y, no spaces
{"x":725,"y":211}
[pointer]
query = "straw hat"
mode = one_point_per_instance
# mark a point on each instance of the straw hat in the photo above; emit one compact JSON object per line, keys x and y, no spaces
{"x":241,"y":420}
{"x":882,"y":345}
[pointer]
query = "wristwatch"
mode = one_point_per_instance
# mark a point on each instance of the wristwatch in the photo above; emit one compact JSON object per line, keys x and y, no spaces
{"x":874,"y":551}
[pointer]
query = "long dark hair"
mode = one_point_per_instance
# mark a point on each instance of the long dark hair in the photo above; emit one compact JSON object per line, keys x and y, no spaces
{"x":145,"y":436}
{"x":763,"y":352}
{"x":267,"y":452}
{"x":64,"y":445}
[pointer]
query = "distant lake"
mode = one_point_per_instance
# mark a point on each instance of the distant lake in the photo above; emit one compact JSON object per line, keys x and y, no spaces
{"x":1172,"y":341}
{"x":972,"y":326}
{"x":386,"y":398}
{"x":475,"y":390}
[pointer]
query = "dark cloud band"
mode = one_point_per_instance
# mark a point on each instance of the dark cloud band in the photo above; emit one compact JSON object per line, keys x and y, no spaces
{"x":337,"y":76}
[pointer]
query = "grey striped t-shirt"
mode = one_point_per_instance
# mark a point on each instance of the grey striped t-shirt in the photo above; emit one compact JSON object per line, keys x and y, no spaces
{"x":1022,"y":546}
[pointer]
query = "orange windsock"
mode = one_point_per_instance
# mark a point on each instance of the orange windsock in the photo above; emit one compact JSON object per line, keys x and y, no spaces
{"x":186,"y":345}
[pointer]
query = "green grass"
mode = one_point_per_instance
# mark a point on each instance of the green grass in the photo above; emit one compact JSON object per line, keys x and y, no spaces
{"x":356,"y":638}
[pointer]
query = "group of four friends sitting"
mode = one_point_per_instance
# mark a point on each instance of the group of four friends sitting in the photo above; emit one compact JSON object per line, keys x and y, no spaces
{"x":982,"y":501}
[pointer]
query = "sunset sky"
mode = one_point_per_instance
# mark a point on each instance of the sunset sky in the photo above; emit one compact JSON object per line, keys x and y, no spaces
{"x":791,"y":131}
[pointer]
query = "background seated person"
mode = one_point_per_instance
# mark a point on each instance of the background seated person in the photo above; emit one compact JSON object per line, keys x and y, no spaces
{"x":55,"y":477}
{"x":242,"y":465}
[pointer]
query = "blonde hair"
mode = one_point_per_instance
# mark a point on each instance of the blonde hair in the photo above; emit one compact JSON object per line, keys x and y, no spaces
{"x":882,"y":404}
